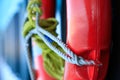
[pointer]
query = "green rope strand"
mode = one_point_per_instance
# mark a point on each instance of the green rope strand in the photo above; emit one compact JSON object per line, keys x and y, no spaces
{"x":53,"y":64}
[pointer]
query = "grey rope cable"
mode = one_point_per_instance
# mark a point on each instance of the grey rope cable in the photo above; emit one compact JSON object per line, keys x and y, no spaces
{"x":71,"y":57}
{"x":74,"y":59}
{"x":29,"y":59}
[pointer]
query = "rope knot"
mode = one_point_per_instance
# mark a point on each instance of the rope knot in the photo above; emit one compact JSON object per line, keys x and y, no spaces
{"x":33,"y":8}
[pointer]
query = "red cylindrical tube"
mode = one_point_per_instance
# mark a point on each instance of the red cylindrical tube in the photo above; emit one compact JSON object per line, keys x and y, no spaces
{"x":88,"y":35}
{"x":48,"y":8}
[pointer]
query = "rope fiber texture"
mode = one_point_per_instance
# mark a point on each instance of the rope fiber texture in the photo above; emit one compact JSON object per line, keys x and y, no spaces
{"x":53,"y":50}
{"x":53,"y":64}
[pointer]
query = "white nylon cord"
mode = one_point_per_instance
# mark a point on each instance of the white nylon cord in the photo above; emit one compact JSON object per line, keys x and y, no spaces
{"x":72,"y":58}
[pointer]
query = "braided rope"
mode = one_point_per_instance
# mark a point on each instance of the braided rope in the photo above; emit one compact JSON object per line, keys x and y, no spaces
{"x":29,"y":58}
{"x":35,"y":29}
{"x":74,"y":59}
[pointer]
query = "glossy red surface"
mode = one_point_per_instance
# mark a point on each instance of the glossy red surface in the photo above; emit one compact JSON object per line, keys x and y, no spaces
{"x":48,"y":9}
{"x":88,"y":35}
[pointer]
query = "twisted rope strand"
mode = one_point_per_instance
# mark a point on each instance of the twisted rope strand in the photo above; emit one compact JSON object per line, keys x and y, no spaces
{"x":44,"y":34}
{"x":74,"y":59}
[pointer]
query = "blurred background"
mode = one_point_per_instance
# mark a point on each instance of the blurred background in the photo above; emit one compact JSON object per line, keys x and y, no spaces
{"x":13,"y":13}
{"x":13,"y":64}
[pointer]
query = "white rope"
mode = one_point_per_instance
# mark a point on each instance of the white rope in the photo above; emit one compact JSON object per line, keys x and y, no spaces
{"x":74,"y":59}
{"x":29,"y":58}
{"x":71,"y":57}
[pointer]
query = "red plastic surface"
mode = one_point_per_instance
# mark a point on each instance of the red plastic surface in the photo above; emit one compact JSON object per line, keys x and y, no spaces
{"x":48,"y":9}
{"x":88,"y":35}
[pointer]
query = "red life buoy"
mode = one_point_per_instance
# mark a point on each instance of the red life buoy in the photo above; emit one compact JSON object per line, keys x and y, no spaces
{"x":88,"y":35}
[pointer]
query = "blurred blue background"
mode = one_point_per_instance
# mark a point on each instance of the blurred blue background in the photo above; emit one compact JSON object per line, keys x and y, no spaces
{"x":12,"y":58}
